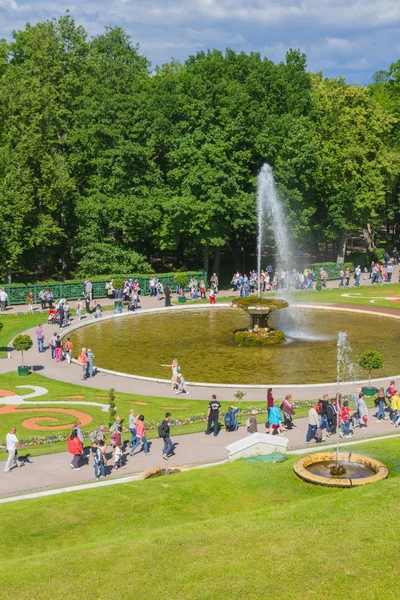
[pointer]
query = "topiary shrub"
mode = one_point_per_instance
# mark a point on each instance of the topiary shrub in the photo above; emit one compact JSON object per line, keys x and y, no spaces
{"x":182,"y":280}
{"x":118,"y":283}
{"x":371,"y":360}
{"x":22,"y":343}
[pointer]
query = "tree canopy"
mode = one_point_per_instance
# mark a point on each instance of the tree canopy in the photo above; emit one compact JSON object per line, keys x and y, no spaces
{"x":107,"y":166}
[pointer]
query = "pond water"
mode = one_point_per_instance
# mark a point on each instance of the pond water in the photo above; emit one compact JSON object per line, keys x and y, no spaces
{"x":201,"y":340}
{"x":354,"y":470}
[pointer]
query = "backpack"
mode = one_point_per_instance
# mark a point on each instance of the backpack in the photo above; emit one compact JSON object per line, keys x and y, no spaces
{"x":93,"y":435}
{"x":228,"y":420}
{"x":388,"y":393}
{"x":162,"y":430}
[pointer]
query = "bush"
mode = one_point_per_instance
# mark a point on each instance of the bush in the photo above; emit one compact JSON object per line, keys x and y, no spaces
{"x":182,"y":280}
{"x":332,"y":269}
{"x":107,"y":257}
{"x":118,"y":283}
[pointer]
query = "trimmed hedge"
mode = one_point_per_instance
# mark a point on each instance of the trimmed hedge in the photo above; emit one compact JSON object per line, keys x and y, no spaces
{"x":331,"y":268}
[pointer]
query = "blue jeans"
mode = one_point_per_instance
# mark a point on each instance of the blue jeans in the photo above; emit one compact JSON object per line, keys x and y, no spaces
{"x":168,"y":446}
{"x":135,"y":444}
{"x":357,"y":281}
{"x":53,"y":352}
{"x":99,"y":469}
{"x":40,"y":345}
{"x":389,"y":277}
{"x":381,"y":411}
{"x":145,"y":445}
{"x":212,"y":420}
{"x":133,"y":432}
{"x":324,"y":423}
{"x":346,"y":427}
{"x":311,"y":431}
{"x":341,"y":282}
{"x":395,"y":415}
{"x":90,"y":366}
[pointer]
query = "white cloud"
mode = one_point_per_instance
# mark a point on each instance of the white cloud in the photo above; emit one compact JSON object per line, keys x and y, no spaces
{"x":355,"y":37}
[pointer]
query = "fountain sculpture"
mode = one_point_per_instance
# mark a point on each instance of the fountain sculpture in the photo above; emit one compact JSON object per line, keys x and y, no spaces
{"x":259,"y":309}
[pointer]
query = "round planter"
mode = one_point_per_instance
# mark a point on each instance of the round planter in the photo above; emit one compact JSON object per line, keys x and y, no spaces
{"x":23,"y":371}
{"x":318,"y":287}
{"x":181,"y":299}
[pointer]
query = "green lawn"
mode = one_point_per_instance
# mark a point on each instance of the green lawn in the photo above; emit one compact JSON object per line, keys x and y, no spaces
{"x":239,"y":531}
{"x":361,"y":295}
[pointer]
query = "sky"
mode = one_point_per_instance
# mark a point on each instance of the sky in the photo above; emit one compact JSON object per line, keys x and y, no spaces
{"x":352,"y":38}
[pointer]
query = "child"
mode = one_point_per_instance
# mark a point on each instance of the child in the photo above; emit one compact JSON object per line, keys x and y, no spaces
{"x":181,"y":385}
{"x":99,"y":460}
{"x":141,"y":433}
{"x":118,"y":455}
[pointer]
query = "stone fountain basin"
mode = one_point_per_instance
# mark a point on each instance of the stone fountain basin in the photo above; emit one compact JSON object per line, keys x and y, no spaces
{"x":254,"y":304}
{"x":379,"y":470}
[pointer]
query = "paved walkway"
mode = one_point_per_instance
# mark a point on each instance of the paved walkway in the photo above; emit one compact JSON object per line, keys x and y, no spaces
{"x":52,"y":470}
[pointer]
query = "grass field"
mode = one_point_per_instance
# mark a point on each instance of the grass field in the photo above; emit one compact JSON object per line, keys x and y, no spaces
{"x":239,"y":531}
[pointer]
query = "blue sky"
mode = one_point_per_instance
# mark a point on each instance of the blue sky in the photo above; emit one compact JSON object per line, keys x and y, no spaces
{"x":353,"y":38}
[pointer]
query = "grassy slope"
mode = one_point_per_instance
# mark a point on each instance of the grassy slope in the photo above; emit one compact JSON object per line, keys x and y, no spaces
{"x":378,"y":293}
{"x":242,"y":530}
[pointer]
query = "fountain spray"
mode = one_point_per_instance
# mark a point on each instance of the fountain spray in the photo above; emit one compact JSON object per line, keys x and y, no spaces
{"x":345,"y":368}
{"x":268,"y":204}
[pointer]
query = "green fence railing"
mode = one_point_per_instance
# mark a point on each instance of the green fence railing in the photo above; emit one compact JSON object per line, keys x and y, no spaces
{"x":17,"y":294}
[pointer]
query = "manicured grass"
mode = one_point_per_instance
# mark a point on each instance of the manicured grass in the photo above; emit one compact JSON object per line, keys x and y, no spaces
{"x":13,"y":324}
{"x":238,"y":531}
{"x":362,"y":295}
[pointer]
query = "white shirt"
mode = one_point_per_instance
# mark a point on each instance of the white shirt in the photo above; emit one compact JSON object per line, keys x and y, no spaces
{"x":11,"y":442}
{"x":3,"y":296}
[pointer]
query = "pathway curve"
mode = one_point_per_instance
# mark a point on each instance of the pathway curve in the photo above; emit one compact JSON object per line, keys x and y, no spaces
{"x":52,"y":470}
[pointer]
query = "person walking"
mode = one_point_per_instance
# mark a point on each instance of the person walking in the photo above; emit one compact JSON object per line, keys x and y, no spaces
{"x":346,"y":420}
{"x":313,"y":423}
{"x":288,"y":412}
{"x":167,"y":293}
{"x":68,"y":350}
{"x":163,"y":432}
{"x":214,"y":408}
{"x":90,"y":357}
{"x":12,"y":444}
{"x":275,"y":418}
{"x":381,"y":403}
{"x":83,"y":359}
{"x":98,"y":462}
{"x":58,"y":349}
{"x":132,"y":420}
{"x":40,"y":337}
{"x":75,"y":447}
{"x":3,"y":299}
{"x":141,"y":434}
{"x":78,"y":308}
{"x":52,"y":344}
{"x":211,"y":295}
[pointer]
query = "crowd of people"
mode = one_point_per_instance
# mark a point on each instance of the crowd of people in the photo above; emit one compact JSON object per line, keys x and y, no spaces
{"x":108,"y":445}
{"x":328,"y":416}
{"x":308,"y":278}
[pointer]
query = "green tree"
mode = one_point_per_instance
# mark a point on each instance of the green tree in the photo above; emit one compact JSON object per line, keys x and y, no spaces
{"x":371,"y":360}
{"x":22,"y":343}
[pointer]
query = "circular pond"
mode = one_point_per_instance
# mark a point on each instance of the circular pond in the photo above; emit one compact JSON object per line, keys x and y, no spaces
{"x":201,"y":340}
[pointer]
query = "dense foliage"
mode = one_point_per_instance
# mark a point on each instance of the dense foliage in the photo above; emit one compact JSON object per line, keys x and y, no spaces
{"x":105,"y":165}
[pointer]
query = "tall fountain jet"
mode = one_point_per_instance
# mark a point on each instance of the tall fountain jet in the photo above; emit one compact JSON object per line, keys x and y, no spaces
{"x":259,"y":309}
{"x":269,"y":205}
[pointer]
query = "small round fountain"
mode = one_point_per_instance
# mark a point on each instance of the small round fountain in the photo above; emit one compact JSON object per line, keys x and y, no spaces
{"x":259,"y":332}
{"x":349,"y":470}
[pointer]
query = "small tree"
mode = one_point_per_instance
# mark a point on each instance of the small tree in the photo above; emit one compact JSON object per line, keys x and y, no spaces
{"x":22,"y":343}
{"x":112,"y":407}
{"x":370,"y":360}
{"x":118,"y":283}
{"x":182,"y":280}
{"x":239,"y":395}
